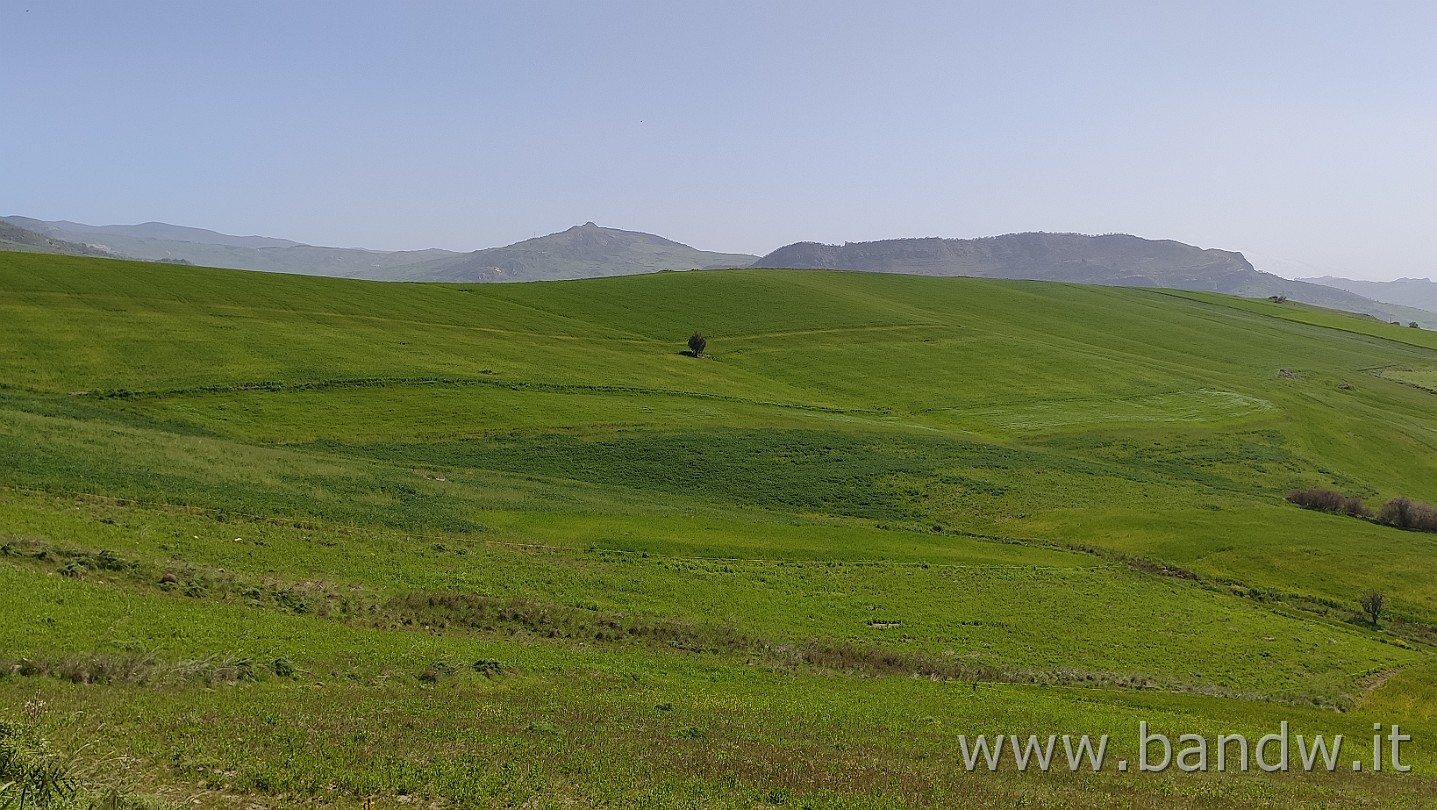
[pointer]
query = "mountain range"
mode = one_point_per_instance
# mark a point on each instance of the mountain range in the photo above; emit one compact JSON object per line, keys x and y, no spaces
{"x":588,"y":250}
{"x":582,"y":251}
{"x":13,"y":237}
{"x":1113,"y":260}
{"x":1412,"y":292}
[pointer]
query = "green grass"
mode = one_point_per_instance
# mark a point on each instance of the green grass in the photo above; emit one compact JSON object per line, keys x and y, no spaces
{"x":883,"y":511}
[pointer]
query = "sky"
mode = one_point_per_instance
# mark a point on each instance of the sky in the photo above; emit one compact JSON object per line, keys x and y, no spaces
{"x":1301,"y":133}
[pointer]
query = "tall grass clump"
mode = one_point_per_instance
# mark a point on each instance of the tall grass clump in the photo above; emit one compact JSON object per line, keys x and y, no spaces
{"x":30,"y":776}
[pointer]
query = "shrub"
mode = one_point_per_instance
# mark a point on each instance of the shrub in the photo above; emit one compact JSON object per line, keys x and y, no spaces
{"x":1405,"y":513}
{"x":1372,"y":603}
{"x":697,"y":344}
{"x":1326,"y":500}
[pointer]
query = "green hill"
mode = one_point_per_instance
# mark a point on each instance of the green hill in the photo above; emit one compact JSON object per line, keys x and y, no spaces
{"x":507,"y":544}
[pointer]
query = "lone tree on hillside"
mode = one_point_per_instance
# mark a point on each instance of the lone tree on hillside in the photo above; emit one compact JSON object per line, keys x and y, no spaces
{"x":697,"y":344}
{"x":1372,"y":603}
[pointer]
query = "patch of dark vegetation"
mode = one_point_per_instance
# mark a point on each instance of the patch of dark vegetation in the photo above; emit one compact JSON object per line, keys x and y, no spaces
{"x":441,"y":611}
{"x":46,"y":458}
{"x":974,"y":486}
{"x":1326,"y":500}
{"x":439,"y":670}
{"x":136,"y":669}
{"x":798,"y":471}
{"x":341,"y":383}
{"x":77,"y":407}
{"x":788,"y":470}
{"x":180,"y":578}
{"x":1247,"y":463}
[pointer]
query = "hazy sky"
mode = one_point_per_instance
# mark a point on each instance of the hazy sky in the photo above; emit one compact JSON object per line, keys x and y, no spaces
{"x":1302,"y":133}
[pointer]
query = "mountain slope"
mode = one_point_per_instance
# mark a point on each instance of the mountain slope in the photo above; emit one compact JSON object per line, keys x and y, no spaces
{"x":14,"y":237}
{"x":583,"y":251}
{"x":1111,"y":260}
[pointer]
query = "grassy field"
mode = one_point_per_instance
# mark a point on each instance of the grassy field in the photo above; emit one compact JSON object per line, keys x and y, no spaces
{"x":274,"y":541}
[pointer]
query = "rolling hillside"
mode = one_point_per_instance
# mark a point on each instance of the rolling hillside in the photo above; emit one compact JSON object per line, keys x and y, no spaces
{"x":504,"y":544}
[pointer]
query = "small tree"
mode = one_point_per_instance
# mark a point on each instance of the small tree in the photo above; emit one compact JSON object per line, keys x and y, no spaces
{"x":1372,"y":603}
{"x":697,"y":344}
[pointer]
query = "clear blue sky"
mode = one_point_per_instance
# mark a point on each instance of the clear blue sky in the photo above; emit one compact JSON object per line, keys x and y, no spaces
{"x":1302,"y":133}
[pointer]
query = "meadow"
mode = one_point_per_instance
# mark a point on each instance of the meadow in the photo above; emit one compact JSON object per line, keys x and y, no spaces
{"x":276,"y":541}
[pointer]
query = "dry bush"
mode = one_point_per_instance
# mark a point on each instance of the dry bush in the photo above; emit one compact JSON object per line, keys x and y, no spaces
{"x":1405,"y":513}
{"x":1326,"y":500}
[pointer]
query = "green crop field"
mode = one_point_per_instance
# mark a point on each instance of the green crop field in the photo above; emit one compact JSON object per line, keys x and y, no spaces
{"x":285,"y":541}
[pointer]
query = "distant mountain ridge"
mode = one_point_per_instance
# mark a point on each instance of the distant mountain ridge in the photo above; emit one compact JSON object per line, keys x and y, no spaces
{"x":583,"y":251}
{"x":1113,"y":260}
{"x":149,"y":230}
{"x":158,"y":241}
{"x":13,"y":237}
{"x":1412,"y":292}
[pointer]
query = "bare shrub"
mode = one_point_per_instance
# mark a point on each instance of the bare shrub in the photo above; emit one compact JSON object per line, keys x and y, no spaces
{"x":1405,"y":513}
{"x":1326,"y":500}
